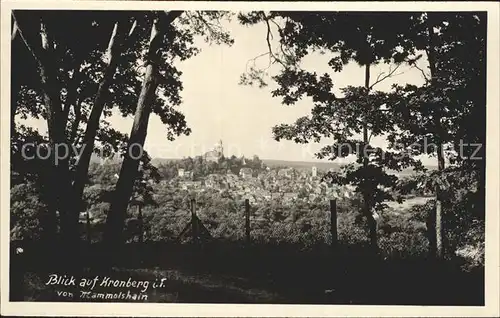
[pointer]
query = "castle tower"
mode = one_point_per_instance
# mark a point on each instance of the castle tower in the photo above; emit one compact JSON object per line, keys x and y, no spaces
{"x":220,"y":147}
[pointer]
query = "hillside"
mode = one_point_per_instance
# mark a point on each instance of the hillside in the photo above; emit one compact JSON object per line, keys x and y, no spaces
{"x":322,"y":166}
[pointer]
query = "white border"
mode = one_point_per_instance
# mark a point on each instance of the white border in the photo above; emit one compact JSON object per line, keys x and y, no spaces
{"x":220,"y":310}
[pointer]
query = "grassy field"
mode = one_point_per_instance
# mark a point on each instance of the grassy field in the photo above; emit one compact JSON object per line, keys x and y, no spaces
{"x":408,"y":203}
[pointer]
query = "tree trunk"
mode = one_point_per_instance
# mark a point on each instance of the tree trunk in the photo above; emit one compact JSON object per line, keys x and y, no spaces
{"x":114,"y":52}
{"x":45,"y":59}
{"x":113,"y":234}
{"x":14,"y":31}
{"x":128,"y":172}
{"x":74,"y":126}
{"x":372,"y":223}
{"x":60,"y":183}
{"x":439,"y":207}
{"x":431,"y":55}
{"x":72,"y":96}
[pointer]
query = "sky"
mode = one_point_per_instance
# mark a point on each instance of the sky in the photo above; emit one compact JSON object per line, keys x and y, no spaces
{"x":218,"y":108}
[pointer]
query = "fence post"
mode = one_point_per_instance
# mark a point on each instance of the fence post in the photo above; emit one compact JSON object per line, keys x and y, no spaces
{"x":247,"y":220}
{"x":194,"y":224}
{"x":333,"y":222}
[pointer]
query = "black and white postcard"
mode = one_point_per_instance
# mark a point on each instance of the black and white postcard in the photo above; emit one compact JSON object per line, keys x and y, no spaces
{"x":250,"y":158}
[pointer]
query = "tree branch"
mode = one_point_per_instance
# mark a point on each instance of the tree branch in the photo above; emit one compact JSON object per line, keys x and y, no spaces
{"x":170,"y":16}
{"x":421,"y":71}
{"x":269,"y":37}
{"x":381,"y":78}
{"x":210,"y":26}
{"x":370,"y":136}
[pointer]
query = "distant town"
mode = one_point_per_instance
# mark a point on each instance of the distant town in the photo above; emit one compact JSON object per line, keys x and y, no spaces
{"x":251,"y":179}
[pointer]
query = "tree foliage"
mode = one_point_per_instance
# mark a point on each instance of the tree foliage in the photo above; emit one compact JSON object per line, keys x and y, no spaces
{"x":430,"y":119}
